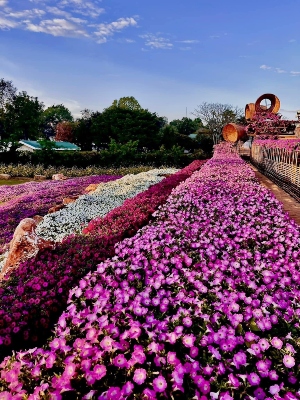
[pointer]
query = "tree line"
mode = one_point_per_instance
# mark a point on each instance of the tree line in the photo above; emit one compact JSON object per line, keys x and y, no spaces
{"x":25,"y":117}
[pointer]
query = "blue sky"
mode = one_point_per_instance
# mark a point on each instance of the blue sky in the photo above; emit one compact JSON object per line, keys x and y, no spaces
{"x":170,"y":55}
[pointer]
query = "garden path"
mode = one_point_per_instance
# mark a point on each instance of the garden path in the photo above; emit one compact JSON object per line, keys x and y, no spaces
{"x":290,"y":205}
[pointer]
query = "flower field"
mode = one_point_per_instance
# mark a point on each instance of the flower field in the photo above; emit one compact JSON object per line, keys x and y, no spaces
{"x":26,"y":319}
{"x":201,"y":303}
{"x":285,"y":144}
{"x":32,"y":198}
{"x":105,"y":198}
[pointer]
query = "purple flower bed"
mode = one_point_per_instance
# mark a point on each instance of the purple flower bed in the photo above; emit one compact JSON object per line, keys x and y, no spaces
{"x":35,"y":294}
{"x":202,"y":303}
{"x":36,"y":198}
{"x":286,"y":144}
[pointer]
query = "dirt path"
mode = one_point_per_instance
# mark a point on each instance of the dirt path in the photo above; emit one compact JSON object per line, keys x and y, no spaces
{"x":289,"y":204}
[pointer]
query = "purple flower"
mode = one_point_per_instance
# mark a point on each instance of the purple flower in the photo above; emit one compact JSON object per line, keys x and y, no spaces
{"x":253,"y":379}
{"x":139,"y":376}
{"x":114,"y":393}
{"x":288,"y":361}
{"x":120,"y":361}
{"x":274,"y":389}
{"x":159,"y":384}
{"x":277,"y":343}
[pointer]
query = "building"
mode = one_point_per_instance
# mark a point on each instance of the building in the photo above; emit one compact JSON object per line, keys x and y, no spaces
{"x":32,"y":145}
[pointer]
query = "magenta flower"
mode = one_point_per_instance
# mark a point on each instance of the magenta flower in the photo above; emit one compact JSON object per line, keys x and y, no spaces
{"x":188,"y":340}
{"x":139,"y":376}
{"x":277,"y":343}
{"x":159,"y":384}
{"x":120,"y":361}
{"x":288,"y":361}
{"x":253,"y":379}
{"x":114,"y":393}
{"x":99,"y":371}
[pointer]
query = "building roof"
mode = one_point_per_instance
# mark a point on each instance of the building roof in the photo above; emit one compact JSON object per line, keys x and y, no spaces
{"x":33,"y":144}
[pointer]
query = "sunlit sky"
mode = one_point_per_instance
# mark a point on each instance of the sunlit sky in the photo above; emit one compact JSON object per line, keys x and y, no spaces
{"x":170,"y":55}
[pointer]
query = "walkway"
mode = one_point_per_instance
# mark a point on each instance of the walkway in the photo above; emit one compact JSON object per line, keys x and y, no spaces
{"x":289,"y":204}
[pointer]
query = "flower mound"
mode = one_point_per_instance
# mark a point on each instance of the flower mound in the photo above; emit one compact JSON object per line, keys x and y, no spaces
{"x":202,"y":303}
{"x":106,"y":197}
{"x":32,"y":198}
{"x":36,"y":293}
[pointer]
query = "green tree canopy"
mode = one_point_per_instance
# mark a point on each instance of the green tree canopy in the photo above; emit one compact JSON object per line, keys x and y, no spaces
{"x":128,"y":103}
{"x":23,"y":117}
{"x":54,"y":115}
{"x":186,"y":126}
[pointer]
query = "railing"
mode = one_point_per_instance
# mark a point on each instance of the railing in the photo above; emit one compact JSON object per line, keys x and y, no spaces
{"x":279,"y":164}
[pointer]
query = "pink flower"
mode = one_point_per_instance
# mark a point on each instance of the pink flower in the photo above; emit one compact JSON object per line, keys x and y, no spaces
{"x":107,"y":343}
{"x":120,"y":361}
{"x":288,"y":361}
{"x":159,"y":384}
{"x":139,"y":376}
{"x":277,"y":343}
{"x":114,"y":393}
{"x":99,"y":371}
{"x":188,"y":340}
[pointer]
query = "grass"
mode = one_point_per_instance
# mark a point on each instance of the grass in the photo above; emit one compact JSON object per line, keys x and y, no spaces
{"x":14,"y":181}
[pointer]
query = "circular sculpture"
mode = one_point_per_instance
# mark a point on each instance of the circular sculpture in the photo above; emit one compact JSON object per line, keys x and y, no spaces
{"x":233,"y":132}
{"x":249,"y":110}
{"x":274,"y":106}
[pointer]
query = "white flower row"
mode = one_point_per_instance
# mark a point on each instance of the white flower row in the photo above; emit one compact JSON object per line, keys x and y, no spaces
{"x":106,"y":197}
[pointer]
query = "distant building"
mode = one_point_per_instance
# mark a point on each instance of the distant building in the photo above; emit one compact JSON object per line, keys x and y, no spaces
{"x":32,"y":145}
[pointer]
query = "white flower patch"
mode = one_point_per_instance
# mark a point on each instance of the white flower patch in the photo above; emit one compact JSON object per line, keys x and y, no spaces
{"x":106,"y":197}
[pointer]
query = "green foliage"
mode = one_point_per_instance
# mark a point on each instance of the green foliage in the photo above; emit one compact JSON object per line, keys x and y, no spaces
{"x":186,"y":126}
{"x":54,"y":115}
{"x":205,"y":143}
{"x":127,"y":103}
{"x":23,"y":117}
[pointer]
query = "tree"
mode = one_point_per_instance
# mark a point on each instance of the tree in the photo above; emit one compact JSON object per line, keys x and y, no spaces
{"x":23,"y":118}
{"x":186,"y":126}
{"x":123,"y":125}
{"x":7,"y":93}
{"x":82,"y":131}
{"x":64,"y":132}
{"x":216,"y":115}
{"x":54,"y":115}
{"x":128,"y":103}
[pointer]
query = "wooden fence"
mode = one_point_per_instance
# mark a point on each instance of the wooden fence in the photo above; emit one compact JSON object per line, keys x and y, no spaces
{"x":280,"y":165}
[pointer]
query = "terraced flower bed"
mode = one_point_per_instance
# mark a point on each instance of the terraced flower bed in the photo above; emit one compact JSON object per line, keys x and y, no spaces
{"x":36,"y":293}
{"x":202,"y":303}
{"x":32,"y":198}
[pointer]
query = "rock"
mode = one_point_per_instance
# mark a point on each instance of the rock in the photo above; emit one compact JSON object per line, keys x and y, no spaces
{"x":24,"y":245}
{"x":5,"y":176}
{"x":38,"y":219}
{"x":56,"y":208}
{"x":58,"y":177}
{"x":91,"y":188}
{"x":70,"y":199}
{"x":39,"y":177}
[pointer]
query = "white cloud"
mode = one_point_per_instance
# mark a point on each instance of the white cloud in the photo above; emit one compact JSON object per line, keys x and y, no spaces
{"x":280,"y":71}
{"x":295,"y":73}
{"x":187,"y":48}
{"x":27,"y":13}
{"x":58,"y":11}
{"x":292,"y":40}
{"x":7,"y":24}
{"x":88,"y":8}
{"x":58,"y":27}
{"x":106,"y":30}
{"x":188,"y":41}
{"x":157,"y":42}
{"x":264,"y":66}
{"x":3,"y":3}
